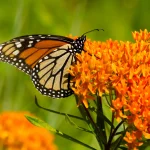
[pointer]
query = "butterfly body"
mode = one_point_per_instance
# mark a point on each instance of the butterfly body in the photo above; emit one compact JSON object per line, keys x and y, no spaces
{"x":46,"y":58}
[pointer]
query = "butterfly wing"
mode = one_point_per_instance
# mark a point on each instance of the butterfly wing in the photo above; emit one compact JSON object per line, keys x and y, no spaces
{"x":24,"y":52}
{"x":50,"y":75}
{"x":46,"y":58}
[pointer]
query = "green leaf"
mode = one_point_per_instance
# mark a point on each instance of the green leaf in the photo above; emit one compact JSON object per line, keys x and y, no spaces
{"x":38,"y":122}
{"x":92,"y":125}
{"x":101,"y":116}
{"x":123,"y":148}
{"x":146,"y":145}
{"x":76,"y":126}
{"x":57,"y":112}
{"x":117,"y":143}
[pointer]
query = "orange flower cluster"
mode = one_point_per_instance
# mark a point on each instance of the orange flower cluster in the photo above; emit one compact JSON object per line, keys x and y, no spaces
{"x":123,"y":67}
{"x":17,"y":133}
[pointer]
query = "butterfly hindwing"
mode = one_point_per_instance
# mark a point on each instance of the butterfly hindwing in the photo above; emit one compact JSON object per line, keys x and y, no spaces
{"x":51,"y":76}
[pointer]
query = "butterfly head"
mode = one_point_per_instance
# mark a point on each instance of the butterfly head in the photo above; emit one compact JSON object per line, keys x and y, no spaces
{"x":78,"y":44}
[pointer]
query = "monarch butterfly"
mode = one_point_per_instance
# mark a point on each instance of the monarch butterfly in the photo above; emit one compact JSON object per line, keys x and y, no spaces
{"x":46,"y":58}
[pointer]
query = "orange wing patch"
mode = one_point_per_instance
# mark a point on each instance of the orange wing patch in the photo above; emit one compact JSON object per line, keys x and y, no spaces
{"x":49,"y":44}
{"x":40,"y":50}
{"x":28,"y":52}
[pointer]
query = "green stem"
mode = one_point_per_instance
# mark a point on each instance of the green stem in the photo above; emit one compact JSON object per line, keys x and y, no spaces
{"x":87,"y":116}
{"x":100,"y":120}
{"x":56,"y":112}
{"x":112,"y":119}
{"x":108,"y":146}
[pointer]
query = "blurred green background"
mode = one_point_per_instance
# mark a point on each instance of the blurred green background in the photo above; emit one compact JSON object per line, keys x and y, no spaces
{"x":61,"y":17}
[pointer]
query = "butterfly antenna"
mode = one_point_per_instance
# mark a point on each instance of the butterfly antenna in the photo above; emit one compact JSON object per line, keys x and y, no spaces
{"x":93,"y":30}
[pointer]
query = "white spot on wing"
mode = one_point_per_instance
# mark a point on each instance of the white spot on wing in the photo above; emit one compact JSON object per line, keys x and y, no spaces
{"x":16,"y":52}
{"x":18,"y":45}
{"x":40,"y":60}
{"x":22,"y":40}
{"x":29,"y":45}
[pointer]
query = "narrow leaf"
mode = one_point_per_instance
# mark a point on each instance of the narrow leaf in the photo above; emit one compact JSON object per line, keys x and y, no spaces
{"x":56,"y":112}
{"x":86,"y":115}
{"x":76,"y":126}
{"x":40,"y":123}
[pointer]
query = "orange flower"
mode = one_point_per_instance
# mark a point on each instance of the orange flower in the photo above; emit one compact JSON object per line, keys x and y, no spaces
{"x":131,"y":139}
{"x":142,"y":35}
{"x":117,"y":104}
{"x":18,"y":133}
{"x":123,"y":67}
